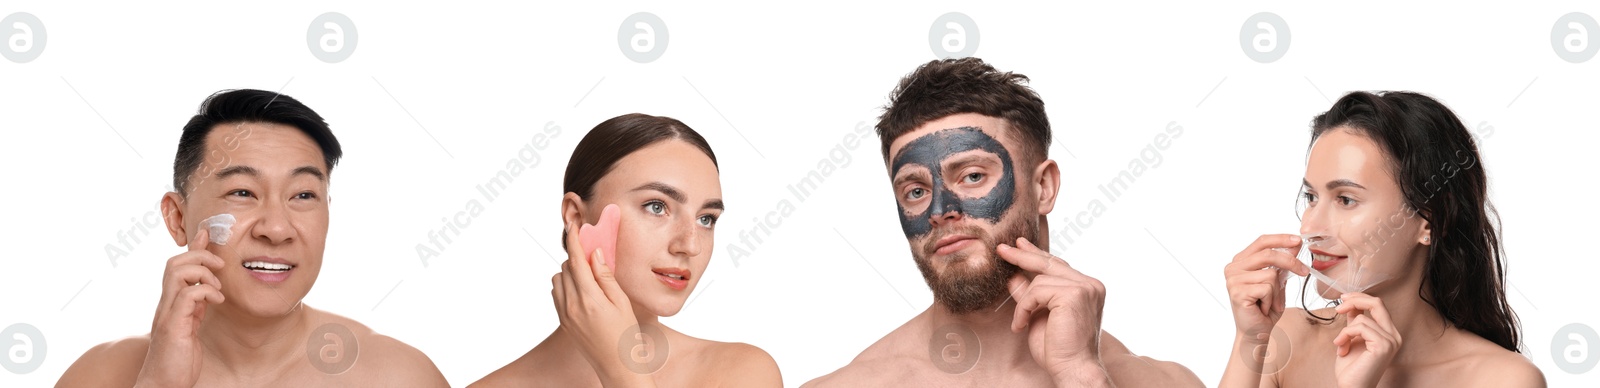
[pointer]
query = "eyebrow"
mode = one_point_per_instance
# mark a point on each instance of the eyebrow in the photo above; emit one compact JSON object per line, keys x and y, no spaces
{"x":312,"y":171}
{"x":665,"y":189}
{"x":967,"y":160}
{"x":1336,"y":184}
{"x":903,"y":178}
{"x":237,"y":170}
{"x":252,"y":172}
{"x":672,"y":192}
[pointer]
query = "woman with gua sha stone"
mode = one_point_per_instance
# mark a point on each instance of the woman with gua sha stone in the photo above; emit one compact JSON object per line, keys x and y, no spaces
{"x":1396,"y":202}
{"x":643,"y":195}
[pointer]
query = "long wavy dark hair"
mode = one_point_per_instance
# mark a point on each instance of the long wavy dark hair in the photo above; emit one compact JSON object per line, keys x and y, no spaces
{"x":1435,"y":161}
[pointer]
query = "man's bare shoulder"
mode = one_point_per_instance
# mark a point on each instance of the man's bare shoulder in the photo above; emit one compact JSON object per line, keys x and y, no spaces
{"x":380,"y":358}
{"x":1132,"y":370}
{"x":868,"y":370}
{"x":111,"y":363}
{"x":892,"y":359}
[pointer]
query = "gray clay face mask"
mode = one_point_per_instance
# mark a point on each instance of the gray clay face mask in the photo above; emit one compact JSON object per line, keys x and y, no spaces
{"x":931,"y":151}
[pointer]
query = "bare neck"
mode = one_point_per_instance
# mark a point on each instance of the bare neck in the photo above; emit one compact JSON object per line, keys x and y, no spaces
{"x":1423,"y":331}
{"x":1002,"y":351}
{"x":254,"y":346}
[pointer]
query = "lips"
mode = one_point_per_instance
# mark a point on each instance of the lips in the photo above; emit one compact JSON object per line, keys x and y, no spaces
{"x":674,"y":278}
{"x":1322,"y":261}
{"x":268,"y":269}
{"x":952,"y":243}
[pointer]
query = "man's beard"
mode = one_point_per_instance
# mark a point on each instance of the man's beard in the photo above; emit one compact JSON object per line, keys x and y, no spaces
{"x":963,"y":290}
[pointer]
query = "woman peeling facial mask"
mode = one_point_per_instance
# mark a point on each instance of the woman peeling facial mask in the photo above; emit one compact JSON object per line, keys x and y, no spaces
{"x":220,"y":227}
{"x":1357,"y":279}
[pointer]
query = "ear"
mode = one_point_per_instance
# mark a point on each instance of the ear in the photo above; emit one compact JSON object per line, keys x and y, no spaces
{"x":1047,"y":183}
{"x":573,"y":213}
{"x":172,"y":215}
{"x":1426,"y":234}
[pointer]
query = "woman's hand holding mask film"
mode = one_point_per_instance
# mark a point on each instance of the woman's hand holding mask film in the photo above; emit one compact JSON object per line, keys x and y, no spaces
{"x":1367,"y":344}
{"x":1256,"y":280}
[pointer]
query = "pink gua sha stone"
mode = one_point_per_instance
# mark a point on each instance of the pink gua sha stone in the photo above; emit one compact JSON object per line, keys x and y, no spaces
{"x":602,"y":235}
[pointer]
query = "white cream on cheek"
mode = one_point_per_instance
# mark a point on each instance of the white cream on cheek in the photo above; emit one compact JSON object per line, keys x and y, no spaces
{"x":219,"y":227}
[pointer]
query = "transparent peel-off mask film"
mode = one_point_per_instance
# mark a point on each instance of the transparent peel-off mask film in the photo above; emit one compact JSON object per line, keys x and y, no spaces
{"x":1356,"y":279}
{"x":220,"y":227}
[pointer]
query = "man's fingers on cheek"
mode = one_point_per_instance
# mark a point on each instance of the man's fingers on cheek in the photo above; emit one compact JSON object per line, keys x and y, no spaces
{"x":189,"y":296}
{"x":212,"y":280}
{"x":215,"y":296}
{"x":1030,"y":261}
{"x":182,"y":260}
{"x":1024,"y":241}
{"x":1018,"y":284}
{"x":1009,"y":253}
{"x":212,"y":261}
{"x":185,"y":276}
{"x":1019,"y":320}
{"x":1024,"y":310}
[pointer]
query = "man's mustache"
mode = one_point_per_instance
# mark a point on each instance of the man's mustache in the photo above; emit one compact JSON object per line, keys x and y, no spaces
{"x":932,"y":244}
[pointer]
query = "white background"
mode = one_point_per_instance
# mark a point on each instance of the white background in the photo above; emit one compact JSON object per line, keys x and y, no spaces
{"x":436,"y":99}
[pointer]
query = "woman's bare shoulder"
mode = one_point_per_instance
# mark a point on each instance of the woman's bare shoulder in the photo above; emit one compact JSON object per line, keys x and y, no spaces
{"x":734,"y":363}
{"x":1496,"y":366}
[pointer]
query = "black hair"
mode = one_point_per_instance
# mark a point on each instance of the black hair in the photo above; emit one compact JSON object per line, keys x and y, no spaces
{"x":248,"y":106}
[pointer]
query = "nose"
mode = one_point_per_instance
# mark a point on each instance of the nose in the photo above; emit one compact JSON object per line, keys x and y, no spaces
{"x":1314,"y":221}
{"x":272,"y":224}
{"x":944,"y":208}
{"x":686,"y":239}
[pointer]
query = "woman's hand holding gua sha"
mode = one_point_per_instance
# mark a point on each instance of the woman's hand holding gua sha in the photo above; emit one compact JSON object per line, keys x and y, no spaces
{"x":602,"y":235}
{"x":592,"y":307}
